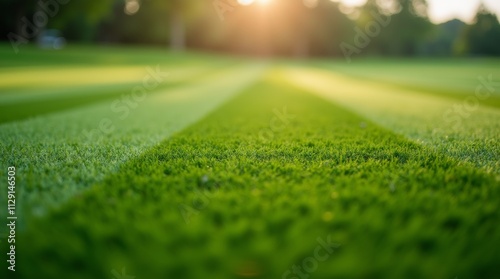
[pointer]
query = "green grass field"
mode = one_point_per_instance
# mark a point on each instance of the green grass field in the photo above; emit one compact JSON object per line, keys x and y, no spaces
{"x":227,"y":167}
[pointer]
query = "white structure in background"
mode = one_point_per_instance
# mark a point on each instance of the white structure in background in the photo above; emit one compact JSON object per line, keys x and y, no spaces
{"x":51,"y":39}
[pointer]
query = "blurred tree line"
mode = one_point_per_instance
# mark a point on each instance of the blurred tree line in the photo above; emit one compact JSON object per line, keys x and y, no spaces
{"x":282,"y":27}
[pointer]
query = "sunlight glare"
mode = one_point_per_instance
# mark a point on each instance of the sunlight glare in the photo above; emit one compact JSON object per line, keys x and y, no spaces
{"x":131,"y":7}
{"x":311,"y":4}
{"x":351,"y":3}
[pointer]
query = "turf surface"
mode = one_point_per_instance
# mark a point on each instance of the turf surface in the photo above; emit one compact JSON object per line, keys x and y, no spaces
{"x":242,"y":169}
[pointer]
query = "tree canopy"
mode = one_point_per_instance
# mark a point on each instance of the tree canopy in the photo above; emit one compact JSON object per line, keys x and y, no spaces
{"x":283,"y":27}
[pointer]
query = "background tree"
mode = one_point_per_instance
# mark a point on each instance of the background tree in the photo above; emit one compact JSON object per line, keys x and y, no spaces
{"x":408,"y":27}
{"x":283,"y":27}
{"x":443,"y":38}
{"x":327,"y":28}
{"x":83,"y":14}
{"x":483,"y":36}
{"x":178,"y":13}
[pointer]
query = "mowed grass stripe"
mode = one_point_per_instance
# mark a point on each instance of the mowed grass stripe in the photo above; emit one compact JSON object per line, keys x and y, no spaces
{"x":470,"y":135}
{"x":21,"y":83}
{"x":257,"y":204}
{"x":455,"y":79}
{"x":42,"y":101}
{"x":60,"y":154}
{"x":53,"y":89}
{"x":90,"y":55}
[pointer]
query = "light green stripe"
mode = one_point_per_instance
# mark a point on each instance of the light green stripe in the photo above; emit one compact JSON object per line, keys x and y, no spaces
{"x":55,"y":160}
{"x":453,"y":76}
{"x":419,"y":117}
{"x":19,"y":94}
